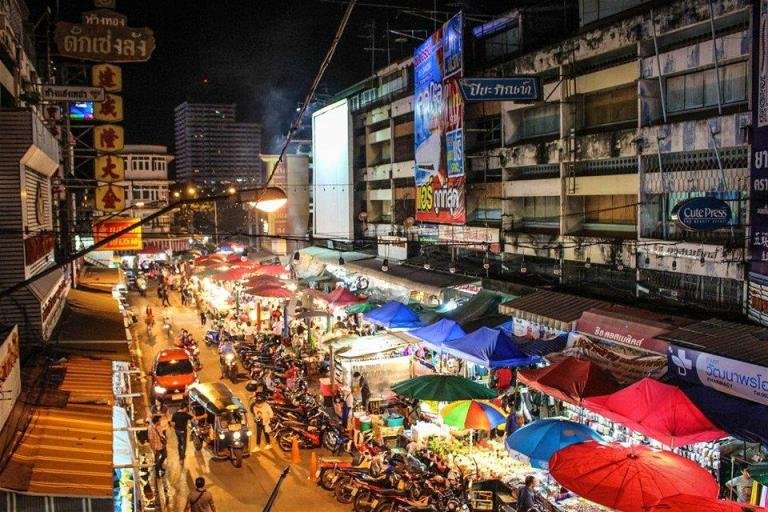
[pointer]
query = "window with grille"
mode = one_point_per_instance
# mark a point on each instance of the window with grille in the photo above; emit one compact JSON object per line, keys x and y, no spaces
{"x":615,"y":106}
{"x":615,"y":209}
{"x":541,"y":121}
{"x":594,"y":10}
{"x":699,"y":89}
{"x":502,"y":43}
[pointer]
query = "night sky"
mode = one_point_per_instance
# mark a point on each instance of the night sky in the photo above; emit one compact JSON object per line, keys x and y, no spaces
{"x":260,"y":54}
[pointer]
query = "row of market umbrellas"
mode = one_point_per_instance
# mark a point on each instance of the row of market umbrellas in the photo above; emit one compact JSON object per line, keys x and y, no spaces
{"x":627,"y":478}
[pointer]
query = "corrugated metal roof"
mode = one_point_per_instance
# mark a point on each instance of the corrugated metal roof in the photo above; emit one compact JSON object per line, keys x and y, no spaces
{"x":85,"y":310}
{"x":742,"y":342}
{"x":409,"y":277}
{"x":67,"y":451}
{"x":560,"y":307}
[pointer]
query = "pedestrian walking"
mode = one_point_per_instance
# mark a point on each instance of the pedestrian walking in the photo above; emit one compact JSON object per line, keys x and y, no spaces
{"x":262,"y":416}
{"x":166,"y":301}
{"x":158,"y":441}
{"x":180,"y":422}
{"x":200,"y":499}
{"x":202,"y":318}
{"x":363,"y":389}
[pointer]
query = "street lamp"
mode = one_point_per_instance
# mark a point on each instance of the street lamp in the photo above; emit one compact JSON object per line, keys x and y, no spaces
{"x":267,"y":200}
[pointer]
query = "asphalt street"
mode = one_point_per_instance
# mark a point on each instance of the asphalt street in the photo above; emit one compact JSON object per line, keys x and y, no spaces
{"x":234,"y":489}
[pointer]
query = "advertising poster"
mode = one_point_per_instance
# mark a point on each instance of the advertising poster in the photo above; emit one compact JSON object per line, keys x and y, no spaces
{"x":736,"y":378}
{"x":758,"y":242}
{"x":130,"y":241}
{"x":438,"y":127}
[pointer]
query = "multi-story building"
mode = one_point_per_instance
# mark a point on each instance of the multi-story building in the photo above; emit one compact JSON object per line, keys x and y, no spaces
{"x":29,"y":160}
{"x":644,"y":105}
{"x":147,"y":184}
{"x":212,"y":148}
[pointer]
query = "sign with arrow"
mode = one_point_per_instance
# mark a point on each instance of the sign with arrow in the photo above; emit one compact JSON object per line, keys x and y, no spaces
{"x":73,"y":93}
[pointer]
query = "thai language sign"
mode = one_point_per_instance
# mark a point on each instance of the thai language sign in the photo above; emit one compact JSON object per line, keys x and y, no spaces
{"x":758,"y":241}
{"x":72,"y":93}
{"x":104,"y":36}
{"x":736,"y":378}
{"x":439,"y":126}
{"x":130,"y":241}
{"x":518,"y":88}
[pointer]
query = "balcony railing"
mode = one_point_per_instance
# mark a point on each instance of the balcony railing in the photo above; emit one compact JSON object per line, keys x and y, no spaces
{"x":535,"y":172}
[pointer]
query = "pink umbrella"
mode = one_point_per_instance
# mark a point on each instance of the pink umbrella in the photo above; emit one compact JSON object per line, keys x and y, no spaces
{"x":660,"y":411}
{"x":274,"y":270}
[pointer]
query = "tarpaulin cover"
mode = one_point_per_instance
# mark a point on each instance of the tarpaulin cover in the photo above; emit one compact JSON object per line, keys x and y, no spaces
{"x":742,"y":419}
{"x":660,"y":411}
{"x":342,"y":297}
{"x":490,"y":348}
{"x":570,"y":380}
{"x":394,"y":315}
{"x":433,"y":336}
{"x":477,"y":306}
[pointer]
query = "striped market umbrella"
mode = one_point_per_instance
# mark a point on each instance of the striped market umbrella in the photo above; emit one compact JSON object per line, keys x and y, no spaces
{"x":473,"y":414}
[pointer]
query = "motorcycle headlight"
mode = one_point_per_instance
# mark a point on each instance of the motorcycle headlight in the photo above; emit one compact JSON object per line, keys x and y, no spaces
{"x":229,"y":357}
{"x":222,"y":436}
{"x":159,"y":390}
{"x":236,"y":436}
{"x":248,"y":433}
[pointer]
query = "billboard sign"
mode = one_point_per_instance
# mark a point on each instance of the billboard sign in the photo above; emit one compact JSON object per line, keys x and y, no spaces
{"x":702,"y":214}
{"x":758,"y":179}
{"x":736,"y":378}
{"x":109,"y":168}
{"x":74,"y":93}
{"x":110,"y":198}
{"x":439,"y":127}
{"x":107,"y":76}
{"x":104,"y":36}
{"x":515,"y":88}
{"x":109,"y":110}
{"x":108,"y":138}
{"x":130,"y":241}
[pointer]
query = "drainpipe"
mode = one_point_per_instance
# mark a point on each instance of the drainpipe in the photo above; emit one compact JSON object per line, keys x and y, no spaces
{"x":714,"y":57}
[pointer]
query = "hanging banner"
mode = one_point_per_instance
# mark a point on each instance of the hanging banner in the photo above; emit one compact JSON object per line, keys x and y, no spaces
{"x":108,"y":138}
{"x":108,"y":77}
{"x":110,"y":198}
{"x":109,"y":168}
{"x":737,"y":378}
{"x":109,"y":110}
{"x":130,"y":241}
{"x":104,"y":36}
{"x":439,"y":125}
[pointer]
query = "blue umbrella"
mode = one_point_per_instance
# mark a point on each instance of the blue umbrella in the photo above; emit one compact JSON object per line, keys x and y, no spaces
{"x":541,"y":439}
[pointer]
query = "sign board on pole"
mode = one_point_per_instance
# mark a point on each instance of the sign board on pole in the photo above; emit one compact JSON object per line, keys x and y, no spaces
{"x":72,"y":93}
{"x":104,"y":36}
{"x":110,"y":198}
{"x":516,"y":88}
{"x":702,"y":214}
{"x":109,"y":168}
{"x":130,"y":241}
{"x":108,"y":138}
{"x":109,"y":110}
{"x":107,"y":76}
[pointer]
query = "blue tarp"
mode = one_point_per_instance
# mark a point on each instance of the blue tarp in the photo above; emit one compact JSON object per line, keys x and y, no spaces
{"x":433,"y":336}
{"x":539,"y":347}
{"x":393,"y":315}
{"x":742,"y":419}
{"x":491,"y":348}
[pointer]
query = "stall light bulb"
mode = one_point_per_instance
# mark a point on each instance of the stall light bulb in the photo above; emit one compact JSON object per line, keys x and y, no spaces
{"x":427,"y":266}
{"x":452,"y":269}
{"x":385,"y":265}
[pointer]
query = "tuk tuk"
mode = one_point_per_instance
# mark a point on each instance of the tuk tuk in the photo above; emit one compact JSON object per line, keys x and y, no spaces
{"x":221,"y":422}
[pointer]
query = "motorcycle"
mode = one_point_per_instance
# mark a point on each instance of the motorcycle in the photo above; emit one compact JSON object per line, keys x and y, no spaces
{"x":324,"y":434}
{"x":330,"y":470}
{"x":229,"y":366}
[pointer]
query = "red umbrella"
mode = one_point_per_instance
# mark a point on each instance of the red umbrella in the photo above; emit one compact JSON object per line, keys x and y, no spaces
{"x":630,"y":479}
{"x":660,"y":411}
{"x":234,"y":258}
{"x":342,"y":297}
{"x":570,"y":380}
{"x":274,"y":269}
{"x":262,"y":281}
{"x":233,"y":274}
{"x":687,"y":503}
{"x":271,"y":291}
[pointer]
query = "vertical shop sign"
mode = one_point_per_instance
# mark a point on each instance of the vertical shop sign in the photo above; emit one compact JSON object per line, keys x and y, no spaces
{"x":758,"y":180}
{"x":439,"y":125}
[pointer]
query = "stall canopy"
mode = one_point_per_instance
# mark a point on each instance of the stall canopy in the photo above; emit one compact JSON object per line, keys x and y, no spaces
{"x":274,"y":270}
{"x":433,"y":336}
{"x":558,"y":311}
{"x":741,"y":418}
{"x":341,"y":297}
{"x":491,"y":348}
{"x":538,"y":346}
{"x":271,"y":291}
{"x":570,"y":380}
{"x":660,"y":411}
{"x":234,"y":274}
{"x":394,"y":315}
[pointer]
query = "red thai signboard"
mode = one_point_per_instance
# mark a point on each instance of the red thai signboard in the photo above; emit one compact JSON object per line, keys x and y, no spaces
{"x":131,"y":241}
{"x":37,"y":247}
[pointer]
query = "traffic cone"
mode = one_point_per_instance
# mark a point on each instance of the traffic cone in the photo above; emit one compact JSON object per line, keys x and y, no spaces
{"x":295,"y":456}
{"x":312,"y":466}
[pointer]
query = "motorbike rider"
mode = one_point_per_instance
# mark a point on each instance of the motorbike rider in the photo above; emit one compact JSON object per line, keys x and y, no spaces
{"x":141,"y":284}
{"x":226,"y":351}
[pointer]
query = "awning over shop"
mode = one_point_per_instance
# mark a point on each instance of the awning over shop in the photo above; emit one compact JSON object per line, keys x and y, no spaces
{"x":367,"y":346}
{"x":43,"y":287}
{"x":92,"y":317}
{"x":742,"y":342}
{"x":629,"y":326}
{"x":555,"y":310}
{"x":491,"y":348}
{"x":66,"y":449}
{"x":410,"y":278}
{"x":100,"y":279}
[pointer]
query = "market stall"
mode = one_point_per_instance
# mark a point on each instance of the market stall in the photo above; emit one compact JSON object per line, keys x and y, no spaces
{"x":393,"y":315}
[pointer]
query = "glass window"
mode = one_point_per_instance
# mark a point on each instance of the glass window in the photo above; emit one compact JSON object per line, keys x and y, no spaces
{"x":541,"y":209}
{"x":543,"y":120}
{"x":502,"y":43}
{"x":610,"y":107}
{"x":699,"y":89}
